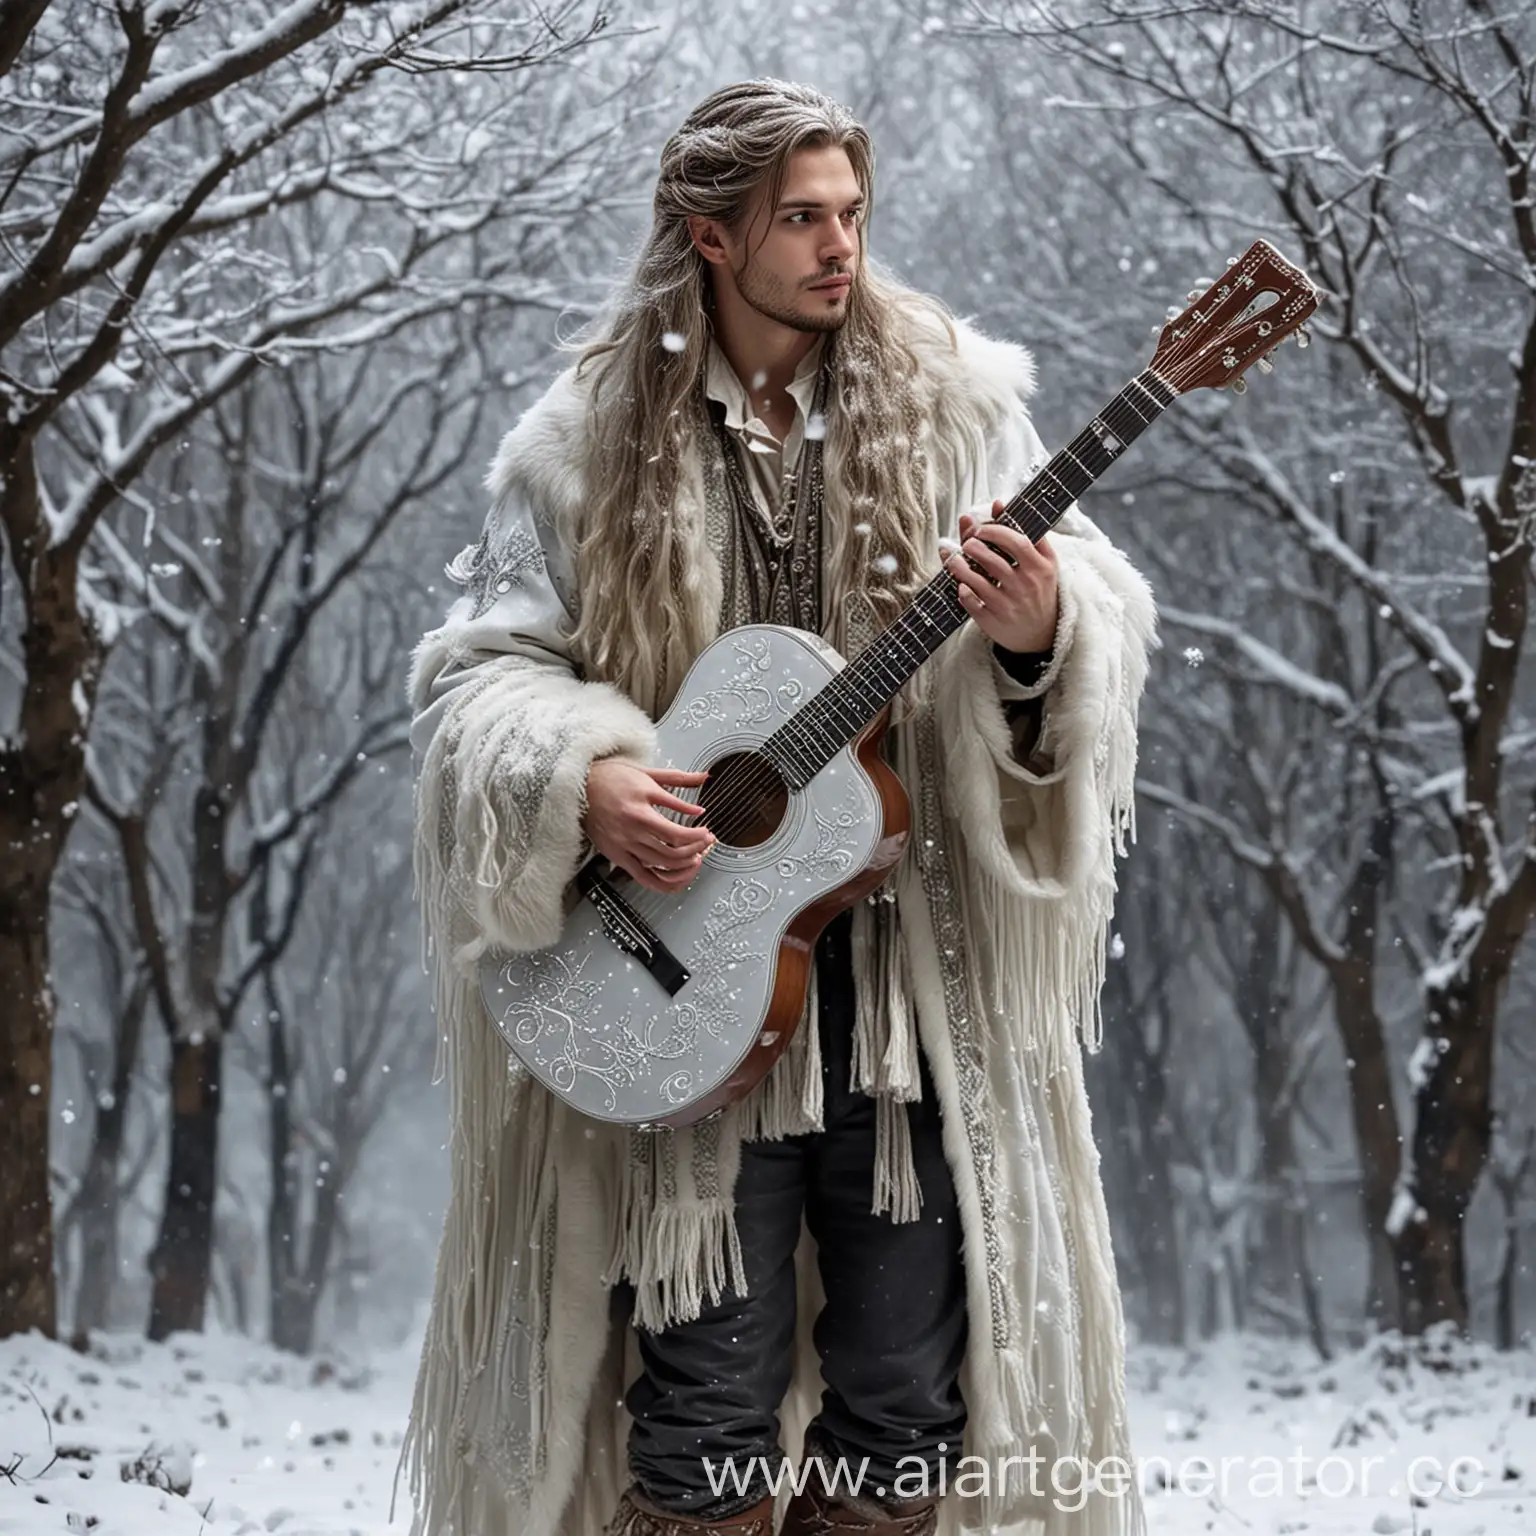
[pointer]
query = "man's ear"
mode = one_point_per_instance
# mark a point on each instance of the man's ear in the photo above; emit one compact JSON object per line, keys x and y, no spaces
{"x":709,"y":239}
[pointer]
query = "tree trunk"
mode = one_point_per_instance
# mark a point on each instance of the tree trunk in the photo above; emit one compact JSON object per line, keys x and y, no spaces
{"x":42,"y":776}
{"x":26,"y":1214}
{"x":286,"y":1324}
{"x":98,"y":1260}
{"x":1311,"y":1296}
{"x":1157,"y":1245}
{"x":1373,"y":1116}
{"x":1505,"y":1331}
{"x":1283,"y":1261}
{"x":1262,"y":997}
{"x":95,"y":1207}
{"x":183,"y":1252}
{"x":1453,"y":1131}
{"x":1509,"y":1175}
{"x":95,"y":1212}
{"x":1139,"y":1140}
{"x":294,"y":1309}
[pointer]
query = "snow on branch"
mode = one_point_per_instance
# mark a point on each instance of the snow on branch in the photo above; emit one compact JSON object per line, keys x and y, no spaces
{"x":1238,"y":842}
{"x":1272,"y":666}
{"x":158,"y":100}
{"x":79,"y":515}
{"x":379,"y":738}
{"x":1443,"y":659}
{"x":1272,"y":862}
{"x":98,"y":255}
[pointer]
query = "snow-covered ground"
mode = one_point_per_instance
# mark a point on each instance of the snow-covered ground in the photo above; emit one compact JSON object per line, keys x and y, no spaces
{"x":308,"y":1448}
{"x":271,"y":1442}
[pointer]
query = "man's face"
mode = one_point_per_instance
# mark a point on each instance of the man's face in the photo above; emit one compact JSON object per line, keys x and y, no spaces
{"x":797,"y":262}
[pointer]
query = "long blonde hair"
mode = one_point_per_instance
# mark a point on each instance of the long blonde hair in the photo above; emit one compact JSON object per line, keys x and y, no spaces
{"x":636,"y":628}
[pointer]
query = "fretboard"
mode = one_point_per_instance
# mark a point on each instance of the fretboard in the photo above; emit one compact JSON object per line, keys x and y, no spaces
{"x":825,"y":724}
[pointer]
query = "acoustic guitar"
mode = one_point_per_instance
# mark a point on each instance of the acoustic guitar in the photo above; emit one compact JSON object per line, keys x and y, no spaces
{"x":662,"y":1009}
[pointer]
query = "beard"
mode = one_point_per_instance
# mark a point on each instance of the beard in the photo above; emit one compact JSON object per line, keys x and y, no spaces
{"x":772,"y":297}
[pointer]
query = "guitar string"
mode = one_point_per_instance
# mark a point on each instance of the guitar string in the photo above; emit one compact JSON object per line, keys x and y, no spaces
{"x":737,"y":798}
{"x":1180,"y":358}
{"x":739,"y":794}
{"x":839,"y":695}
{"x":842,"y":695}
{"x":835,"y":693}
{"x":743,"y":787}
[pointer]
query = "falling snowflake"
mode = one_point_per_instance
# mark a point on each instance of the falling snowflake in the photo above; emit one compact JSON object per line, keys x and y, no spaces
{"x":885,"y":564}
{"x":1193,"y":655}
{"x":815,"y":427}
{"x":674,"y":341}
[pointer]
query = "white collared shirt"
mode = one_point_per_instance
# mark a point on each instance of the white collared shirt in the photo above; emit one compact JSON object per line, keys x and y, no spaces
{"x":765,"y":460}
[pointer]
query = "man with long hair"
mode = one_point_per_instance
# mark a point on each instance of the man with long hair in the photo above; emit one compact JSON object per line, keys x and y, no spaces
{"x":891,"y":1260}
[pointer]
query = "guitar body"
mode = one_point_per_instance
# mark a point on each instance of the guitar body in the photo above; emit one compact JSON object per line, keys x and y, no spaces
{"x":594,"y":1024}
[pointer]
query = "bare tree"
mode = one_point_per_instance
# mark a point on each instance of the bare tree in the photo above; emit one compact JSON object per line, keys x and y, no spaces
{"x":110,"y":1056}
{"x":290,"y":531}
{"x":341,"y":1036}
{"x":1510,"y":1165}
{"x":148,"y":150}
{"x":1390,"y":144}
{"x":1151,"y":949}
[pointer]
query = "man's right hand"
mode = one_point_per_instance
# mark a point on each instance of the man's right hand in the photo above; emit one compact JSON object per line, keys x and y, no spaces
{"x":625,"y":824}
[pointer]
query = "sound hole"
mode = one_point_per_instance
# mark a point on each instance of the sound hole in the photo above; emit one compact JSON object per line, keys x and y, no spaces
{"x":744,"y":800}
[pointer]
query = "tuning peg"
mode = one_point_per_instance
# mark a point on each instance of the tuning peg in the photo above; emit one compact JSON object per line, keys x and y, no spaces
{"x":1303,"y":340}
{"x":1265,"y":366}
{"x":1194,"y":293}
{"x":1172,"y":312}
{"x":1239,"y":386}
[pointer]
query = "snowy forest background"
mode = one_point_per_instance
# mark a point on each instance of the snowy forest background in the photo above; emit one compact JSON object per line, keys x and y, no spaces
{"x":276,"y":276}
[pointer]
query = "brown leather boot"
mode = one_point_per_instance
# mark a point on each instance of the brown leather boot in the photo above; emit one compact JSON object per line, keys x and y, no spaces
{"x":812,"y":1512}
{"x":637,"y":1516}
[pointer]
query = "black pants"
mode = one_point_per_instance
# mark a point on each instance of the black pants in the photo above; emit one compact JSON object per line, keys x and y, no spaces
{"x":892,"y":1333}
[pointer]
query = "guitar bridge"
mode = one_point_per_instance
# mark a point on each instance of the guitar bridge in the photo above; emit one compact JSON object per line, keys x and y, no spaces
{"x":630,"y":932}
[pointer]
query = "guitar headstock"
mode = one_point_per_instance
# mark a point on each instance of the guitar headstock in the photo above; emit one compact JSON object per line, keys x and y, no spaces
{"x":1236,"y":322}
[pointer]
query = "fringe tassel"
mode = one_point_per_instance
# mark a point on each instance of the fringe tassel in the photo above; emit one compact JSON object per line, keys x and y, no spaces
{"x":632,"y":1210}
{"x":691,"y":1253}
{"x":900,"y":1076}
{"x":885,"y":1054}
{"x":788,"y":1101}
{"x":812,"y":1104}
{"x":896,"y":1186}
{"x":1048,"y":963}
{"x":868,"y":1016}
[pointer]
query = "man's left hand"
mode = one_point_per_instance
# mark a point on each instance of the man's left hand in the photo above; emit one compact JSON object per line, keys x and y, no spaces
{"x":1013,"y":597}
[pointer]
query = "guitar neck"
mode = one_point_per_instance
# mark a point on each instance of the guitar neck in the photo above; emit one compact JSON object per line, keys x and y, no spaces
{"x":825,"y":724}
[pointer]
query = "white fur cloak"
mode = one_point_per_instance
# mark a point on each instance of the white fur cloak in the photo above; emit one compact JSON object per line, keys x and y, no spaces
{"x":518,"y":1428}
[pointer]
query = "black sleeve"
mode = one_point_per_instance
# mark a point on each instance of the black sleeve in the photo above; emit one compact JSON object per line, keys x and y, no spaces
{"x":1026,"y":668}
